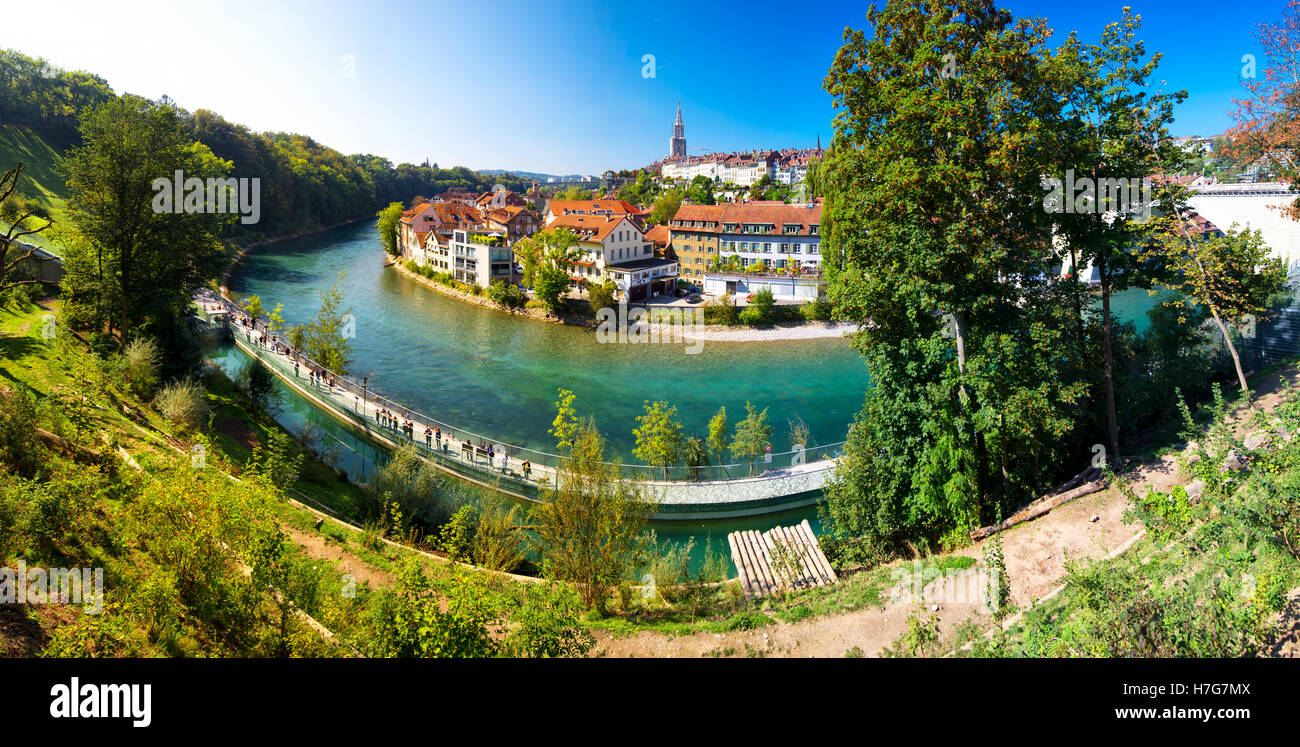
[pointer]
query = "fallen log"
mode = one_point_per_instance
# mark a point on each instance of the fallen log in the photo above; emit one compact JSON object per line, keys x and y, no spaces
{"x":1038,"y":508}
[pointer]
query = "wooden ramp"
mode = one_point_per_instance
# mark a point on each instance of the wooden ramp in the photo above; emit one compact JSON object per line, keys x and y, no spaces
{"x":756,"y":558}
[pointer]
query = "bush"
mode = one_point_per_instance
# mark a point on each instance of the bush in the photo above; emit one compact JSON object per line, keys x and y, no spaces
{"x":184,"y":403}
{"x":816,"y":311}
{"x":602,"y":297}
{"x":748,"y":620}
{"x":752,"y":317}
{"x":258,"y":384}
{"x":139,"y":365}
{"x":102,"y":345}
{"x":721,"y":312}
{"x":507,"y":295}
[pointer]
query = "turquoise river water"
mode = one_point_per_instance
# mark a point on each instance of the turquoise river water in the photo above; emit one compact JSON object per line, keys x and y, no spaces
{"x":498,"y":374}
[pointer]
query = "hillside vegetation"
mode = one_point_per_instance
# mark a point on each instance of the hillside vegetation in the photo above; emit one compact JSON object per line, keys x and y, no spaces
{"x":194,"y":533}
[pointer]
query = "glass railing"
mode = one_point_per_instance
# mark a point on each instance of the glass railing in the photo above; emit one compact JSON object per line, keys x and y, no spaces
{"x":465,"y":449}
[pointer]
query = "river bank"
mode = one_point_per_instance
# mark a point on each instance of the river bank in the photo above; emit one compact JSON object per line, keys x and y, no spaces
{"x":701,"y":333}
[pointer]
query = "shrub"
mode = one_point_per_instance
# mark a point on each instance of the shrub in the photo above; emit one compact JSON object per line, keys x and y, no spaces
{"x":258,"y":384}
{"x":602,"y":297}
{"x":748,"y":620}
{"x":139,"y":364}
{"x":816,"y":311}
{"x":184,"y":403}
{"x":721,"y":312}
{"x":507,"y":295}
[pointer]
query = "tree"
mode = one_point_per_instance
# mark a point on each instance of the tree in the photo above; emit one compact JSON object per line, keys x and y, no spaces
{"x":23,"y":221}
{"x":590,"y":527}
{"x":387,"y":226}
{"x":658,"y":438}
{"x":565,"y":425}
{"x":253,"y":307}
{"x":1232,"y":275}
{"x":694,"y":454}
{"x":1267,"y":129}
{"x":812,"y":179}
{"x":137,"y":262}
{"x":327,"y":339}
{"x":601,"y":296}
{"x":933,"y":232}
{"x":700,"y":191}
{"x":574,"y":193}
{"x":1110,"y":129}
{"x":753,"y":435}
{"x":550,"y":284}
{"x":718,"y":442}
{"x":665,"y":206}
{"x":545,"y":257}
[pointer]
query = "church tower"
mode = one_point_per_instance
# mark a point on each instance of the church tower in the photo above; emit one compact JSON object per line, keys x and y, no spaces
{"x":677,"y":146}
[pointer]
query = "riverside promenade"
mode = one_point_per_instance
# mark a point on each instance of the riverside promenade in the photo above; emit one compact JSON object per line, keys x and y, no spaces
{"x":783,"y":480}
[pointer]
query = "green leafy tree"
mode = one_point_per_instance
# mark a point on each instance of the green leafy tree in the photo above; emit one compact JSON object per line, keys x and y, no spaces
{"x":665,"y":206}
{"x":327,"y":340}
{"x":135,"y":265}
{"x":1231,"y":275}
{"x":253,"y":307}
{"x":694,"y":454}
{"x":752,"y":435}
{"x":1111,"y":126}
{"x":718,"y":441}
{"x":602,"y":296}
{"x":387,"y":226}
{"x":658,"y":437}
{"x":935,"y":233}
{"x":590,"y":528}
{"x":565,"y":426}
{"x":700,"y":191}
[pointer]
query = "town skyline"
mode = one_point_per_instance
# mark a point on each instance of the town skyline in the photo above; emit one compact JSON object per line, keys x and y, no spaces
{"x":573,"y":90}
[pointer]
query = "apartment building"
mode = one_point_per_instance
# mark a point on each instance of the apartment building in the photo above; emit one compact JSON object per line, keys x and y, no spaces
{"x":615,"y":248}
{"x":481,"y":256}
{"x":693,"y":236}
{"x":557,"y":208}
{"x":735,"y":247}
{"x":514,"y":221}
{"x":423,"y":232}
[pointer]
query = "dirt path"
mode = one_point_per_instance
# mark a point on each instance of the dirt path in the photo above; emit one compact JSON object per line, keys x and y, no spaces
{"x":317,"y":546}
{"x":1036,"y":552}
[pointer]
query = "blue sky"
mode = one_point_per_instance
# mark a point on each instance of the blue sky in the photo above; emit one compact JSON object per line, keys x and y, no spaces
{"x":552,"y":86}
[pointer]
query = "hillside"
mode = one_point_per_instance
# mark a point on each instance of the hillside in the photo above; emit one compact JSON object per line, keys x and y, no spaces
{"x":40,"y":182}
{"x":203,"y":548}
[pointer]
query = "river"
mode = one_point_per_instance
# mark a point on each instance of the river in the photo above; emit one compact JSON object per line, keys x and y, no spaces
{"x":498,"y":374}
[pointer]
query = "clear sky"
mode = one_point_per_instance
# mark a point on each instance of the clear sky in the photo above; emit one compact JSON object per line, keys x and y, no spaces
{"x":552,"y":86}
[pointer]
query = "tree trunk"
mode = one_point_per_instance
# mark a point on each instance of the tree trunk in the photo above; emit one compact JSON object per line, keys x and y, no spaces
{"x":1108,"y":373}
{"x":1236,"y":357}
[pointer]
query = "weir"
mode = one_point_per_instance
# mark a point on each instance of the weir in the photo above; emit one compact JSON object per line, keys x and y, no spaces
{"x":783,"y":481}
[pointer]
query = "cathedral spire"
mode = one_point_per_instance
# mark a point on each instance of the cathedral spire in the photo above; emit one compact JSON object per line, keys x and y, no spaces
{"x":677,"y":146}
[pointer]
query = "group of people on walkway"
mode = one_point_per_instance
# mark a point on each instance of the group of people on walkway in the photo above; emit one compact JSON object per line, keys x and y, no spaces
{"x":433,"y":436}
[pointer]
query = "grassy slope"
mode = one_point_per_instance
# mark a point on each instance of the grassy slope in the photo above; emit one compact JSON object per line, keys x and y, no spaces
{"x":40,"y":181}
{"x":27,"y":359}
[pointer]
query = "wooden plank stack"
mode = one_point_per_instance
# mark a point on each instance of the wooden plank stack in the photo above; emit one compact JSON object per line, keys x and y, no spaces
{"x":754,"y":556}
